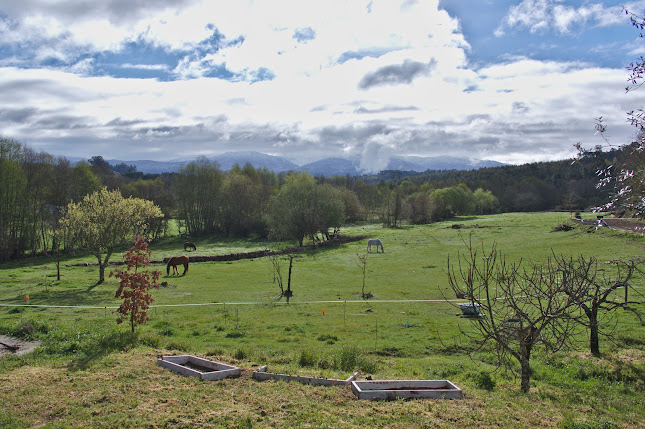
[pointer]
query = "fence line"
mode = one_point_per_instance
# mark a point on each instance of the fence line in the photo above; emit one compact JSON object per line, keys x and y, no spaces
{"x":381,"y":301}
{"x":371,"y":301}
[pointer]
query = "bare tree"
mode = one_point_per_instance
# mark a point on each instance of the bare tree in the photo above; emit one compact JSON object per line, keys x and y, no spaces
{"x":521,"y":305}
{"x":276,"y":262}
{"x":362,"y":265}
{"x":598,"y":300}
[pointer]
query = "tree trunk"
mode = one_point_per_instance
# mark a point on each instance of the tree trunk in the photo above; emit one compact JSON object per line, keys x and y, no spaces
{"x":525,"y":336}
{"x":288,"y":293}
{"x":102,"y":266}
{"x":526,"y":374}
{"x":101,"y":269}
{"x":594,"y":343}
{"x":101,"y":274}
{"x":57,"y":264}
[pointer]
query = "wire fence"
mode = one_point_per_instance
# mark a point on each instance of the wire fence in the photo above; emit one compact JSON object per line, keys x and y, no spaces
{"x":253,"y":303}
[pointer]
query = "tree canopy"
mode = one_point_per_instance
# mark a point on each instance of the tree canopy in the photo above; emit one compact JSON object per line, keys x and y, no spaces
{"x":302,"y":208}
{"x":104,"y":220}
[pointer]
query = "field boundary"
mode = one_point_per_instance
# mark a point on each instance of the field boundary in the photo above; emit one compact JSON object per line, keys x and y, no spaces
{"x":334,"y":242}
{"x":380,"y":301}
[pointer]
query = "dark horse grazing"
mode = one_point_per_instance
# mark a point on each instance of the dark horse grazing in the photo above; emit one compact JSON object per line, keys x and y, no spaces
{"x":188,"y":245}
{"x":177,"y":260}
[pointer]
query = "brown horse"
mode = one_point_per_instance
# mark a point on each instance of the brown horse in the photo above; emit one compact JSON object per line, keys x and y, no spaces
{"x":189,"y":245}
{"x":177,"y":260}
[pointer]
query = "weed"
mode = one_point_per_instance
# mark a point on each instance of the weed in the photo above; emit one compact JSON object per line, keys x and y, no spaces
{"x":330,"y":339}
{"x":165,"y":328}
{"x":240,"y":354}
{"x":585,"y":424}
{"x":177,"y":345}
{"x":235,"y":334}
{"x":351,"y":358}
{"x":215,"y":352}
{"x":564,"y":227}
{"x":7,"y":421}
{"x":148,"y":340}
{"x":307,"y":358}
{"x":483,"y":380}
{"x":390,"y":351}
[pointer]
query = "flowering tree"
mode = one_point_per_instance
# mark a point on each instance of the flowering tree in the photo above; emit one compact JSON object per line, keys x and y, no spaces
{"x":627,"y":177}
{"x":104,"y":220}
{"x":134,"y":286}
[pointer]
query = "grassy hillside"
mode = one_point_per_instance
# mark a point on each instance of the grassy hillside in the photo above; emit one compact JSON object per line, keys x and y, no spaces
{"x":89,"y":371}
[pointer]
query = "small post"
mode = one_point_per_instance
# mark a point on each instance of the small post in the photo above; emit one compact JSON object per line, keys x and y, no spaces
{"x":625,"y":293}
{"x":345,"y":313}
{"x":376,"y":335}
{"x":236,"y":318}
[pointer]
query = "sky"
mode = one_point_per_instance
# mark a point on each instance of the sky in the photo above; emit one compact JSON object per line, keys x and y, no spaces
{"x":510,"y":81}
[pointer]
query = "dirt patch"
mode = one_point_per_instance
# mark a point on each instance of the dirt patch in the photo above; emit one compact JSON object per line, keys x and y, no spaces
{"x":16,"y":346}
{"x":632,"y":225}
{"x":636,"y":226}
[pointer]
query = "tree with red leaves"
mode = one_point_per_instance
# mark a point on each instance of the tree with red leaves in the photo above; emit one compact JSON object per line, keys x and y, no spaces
{"x":134,"y":286}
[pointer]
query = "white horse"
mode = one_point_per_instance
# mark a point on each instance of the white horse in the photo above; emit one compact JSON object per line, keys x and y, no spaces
{"x":375,"y":242}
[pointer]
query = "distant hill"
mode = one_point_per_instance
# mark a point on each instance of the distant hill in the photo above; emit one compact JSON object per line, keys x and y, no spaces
{"x":152,"y":167}
{"x":353,"y":167}
{"x":332,"y":167}
{"x":323,"y":167}
{"x":445,"y":163}
{"x":256,"y":159}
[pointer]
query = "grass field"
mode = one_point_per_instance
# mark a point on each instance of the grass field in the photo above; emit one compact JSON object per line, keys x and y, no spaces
{"x":91,"y":372}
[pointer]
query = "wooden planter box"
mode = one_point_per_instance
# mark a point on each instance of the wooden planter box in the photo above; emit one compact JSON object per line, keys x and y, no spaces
{"x":262,"y":374}
{"x":194,"y":366}
{"x":407,"y":389}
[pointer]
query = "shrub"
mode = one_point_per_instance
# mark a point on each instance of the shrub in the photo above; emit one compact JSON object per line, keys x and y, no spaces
{"x":483,"y":380}
{"x":564,"y":226}
{"x":165,"y":328}
{"x":176,"y":345}
{"x":331,"y":339}
{"x":240,"y":354}
{"x":351,"y":358}
{"x":307,"y":358}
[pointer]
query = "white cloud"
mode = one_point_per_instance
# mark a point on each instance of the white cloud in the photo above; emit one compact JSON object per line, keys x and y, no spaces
{"x":546,"y":15}
{"x":419,"y":94}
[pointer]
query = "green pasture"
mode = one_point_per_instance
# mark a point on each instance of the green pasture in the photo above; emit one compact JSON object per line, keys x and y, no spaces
{"x":231,"y":311}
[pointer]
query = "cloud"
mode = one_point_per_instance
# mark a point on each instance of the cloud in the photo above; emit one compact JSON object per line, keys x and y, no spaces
{"x":397,"y":74}
{"x":385,"y":109}
{"x":540,"y":16}
{"x":359,"y":55}
{"x":208,"y":79}
{"x":303,"y":35}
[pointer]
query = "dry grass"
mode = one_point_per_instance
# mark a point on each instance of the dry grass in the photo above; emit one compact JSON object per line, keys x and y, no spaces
{"x":128,"y":389}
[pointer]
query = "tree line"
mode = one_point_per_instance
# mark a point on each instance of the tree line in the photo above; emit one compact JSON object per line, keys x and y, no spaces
{"x":539,"y":186}
{"x":36,"y":189}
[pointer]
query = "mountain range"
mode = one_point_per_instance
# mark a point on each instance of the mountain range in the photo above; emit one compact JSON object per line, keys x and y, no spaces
{"x":324,"y":167}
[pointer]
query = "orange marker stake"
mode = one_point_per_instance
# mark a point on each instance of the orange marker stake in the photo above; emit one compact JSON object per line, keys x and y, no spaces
{"x":323,"y":311}
{"x":28,"y":299}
